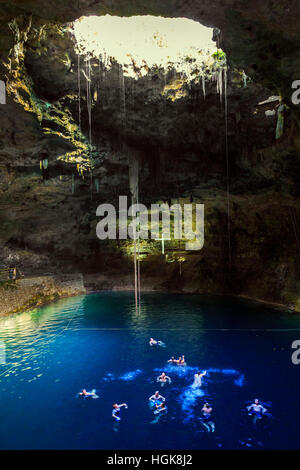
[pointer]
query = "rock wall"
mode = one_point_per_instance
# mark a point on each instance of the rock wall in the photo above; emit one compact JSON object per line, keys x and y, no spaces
{"x":276,"y":286}
{"x":23,"y":294}
{"x":48,"y":220}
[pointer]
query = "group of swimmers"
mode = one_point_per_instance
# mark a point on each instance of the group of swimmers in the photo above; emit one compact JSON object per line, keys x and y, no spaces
{"x":255,"y":410}
{"x":180,"y":361}
{"x":116,"y":408}
{"x":158,"y":402}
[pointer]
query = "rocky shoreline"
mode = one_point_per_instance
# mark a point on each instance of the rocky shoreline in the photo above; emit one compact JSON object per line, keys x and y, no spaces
{"x":24,"y":294}
{"x":28,"y":293}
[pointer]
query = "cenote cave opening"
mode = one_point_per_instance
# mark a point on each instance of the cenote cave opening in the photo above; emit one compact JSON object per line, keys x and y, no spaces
{"x":186,"y":114}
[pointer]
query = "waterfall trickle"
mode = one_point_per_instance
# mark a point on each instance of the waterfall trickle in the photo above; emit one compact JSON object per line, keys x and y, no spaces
{"x":227,"y":164}
{"x":89,"y":97}
{"x":220,"y":84}
{"x":134,"y":189}
{"x":79,"y":91}
{"x":138,"y":269}
{"x":89,"y":110}
{"x":222,"y":89}
{"x":280,"y":121}
{"x":122,"y":100}
{"x":203,"y":86}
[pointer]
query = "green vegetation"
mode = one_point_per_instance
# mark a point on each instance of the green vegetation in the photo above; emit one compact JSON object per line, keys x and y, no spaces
{"x":55,"y":119}
{"x":219,"y":55}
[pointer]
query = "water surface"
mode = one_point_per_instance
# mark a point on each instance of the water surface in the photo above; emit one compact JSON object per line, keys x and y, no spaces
{"x":98,"y":341}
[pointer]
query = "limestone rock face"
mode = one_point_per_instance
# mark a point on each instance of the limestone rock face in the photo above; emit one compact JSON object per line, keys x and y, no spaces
{"x":190,"y":147}
{"x":25,"y":294}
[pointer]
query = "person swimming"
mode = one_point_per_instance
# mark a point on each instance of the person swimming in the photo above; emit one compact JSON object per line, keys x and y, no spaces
{"x":154,"y":342}
{"x":198,"y":378}
{"x":159,"y":408}
{"x":156,"y":397}
{"x":206,"y":419}
{"x":256,"y":410}
{"x":86,"y":394}
{"x":163,"y":379}
{"x":181,"y":361}
{"x":117,"y":410}
{"x":173,"y":360}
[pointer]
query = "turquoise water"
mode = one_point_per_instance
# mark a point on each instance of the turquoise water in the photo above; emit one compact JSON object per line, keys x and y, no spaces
{"x":98,"y":342}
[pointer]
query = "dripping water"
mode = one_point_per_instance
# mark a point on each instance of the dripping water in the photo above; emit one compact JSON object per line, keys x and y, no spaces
{"x":122,"y":99}
{"x":220,"y":83}
{"x":203,"y":86}
{"x":227,"y":164}
{"x":87,"y":75}
{"x":138,"y":267}
{"x":244,"y":79}
{"x":134,"y":189}
{"x":79,"y":91}
{"x":89,"y":97}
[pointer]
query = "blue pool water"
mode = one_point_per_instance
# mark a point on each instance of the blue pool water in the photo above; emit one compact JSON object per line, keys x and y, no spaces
{"x":98,"y":342}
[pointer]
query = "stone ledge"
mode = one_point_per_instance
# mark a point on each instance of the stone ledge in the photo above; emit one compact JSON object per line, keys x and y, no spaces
{"x":23,"y":294}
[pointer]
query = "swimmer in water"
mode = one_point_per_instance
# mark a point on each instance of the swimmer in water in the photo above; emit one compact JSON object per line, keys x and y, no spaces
{"x":256,"y":410}
{"x":154,"y":342}
{"x":158,"y":412}
{"x":181,"y":361}
{"x":117,"y":410}
{"x":163,"y":379}
{"x":85,"y":394}
{"x":173,"y":360}
{"x":156,"y":397}
{"x":160,"y":408}
{"x":198,"y":378}
{"x":207,"y":418}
